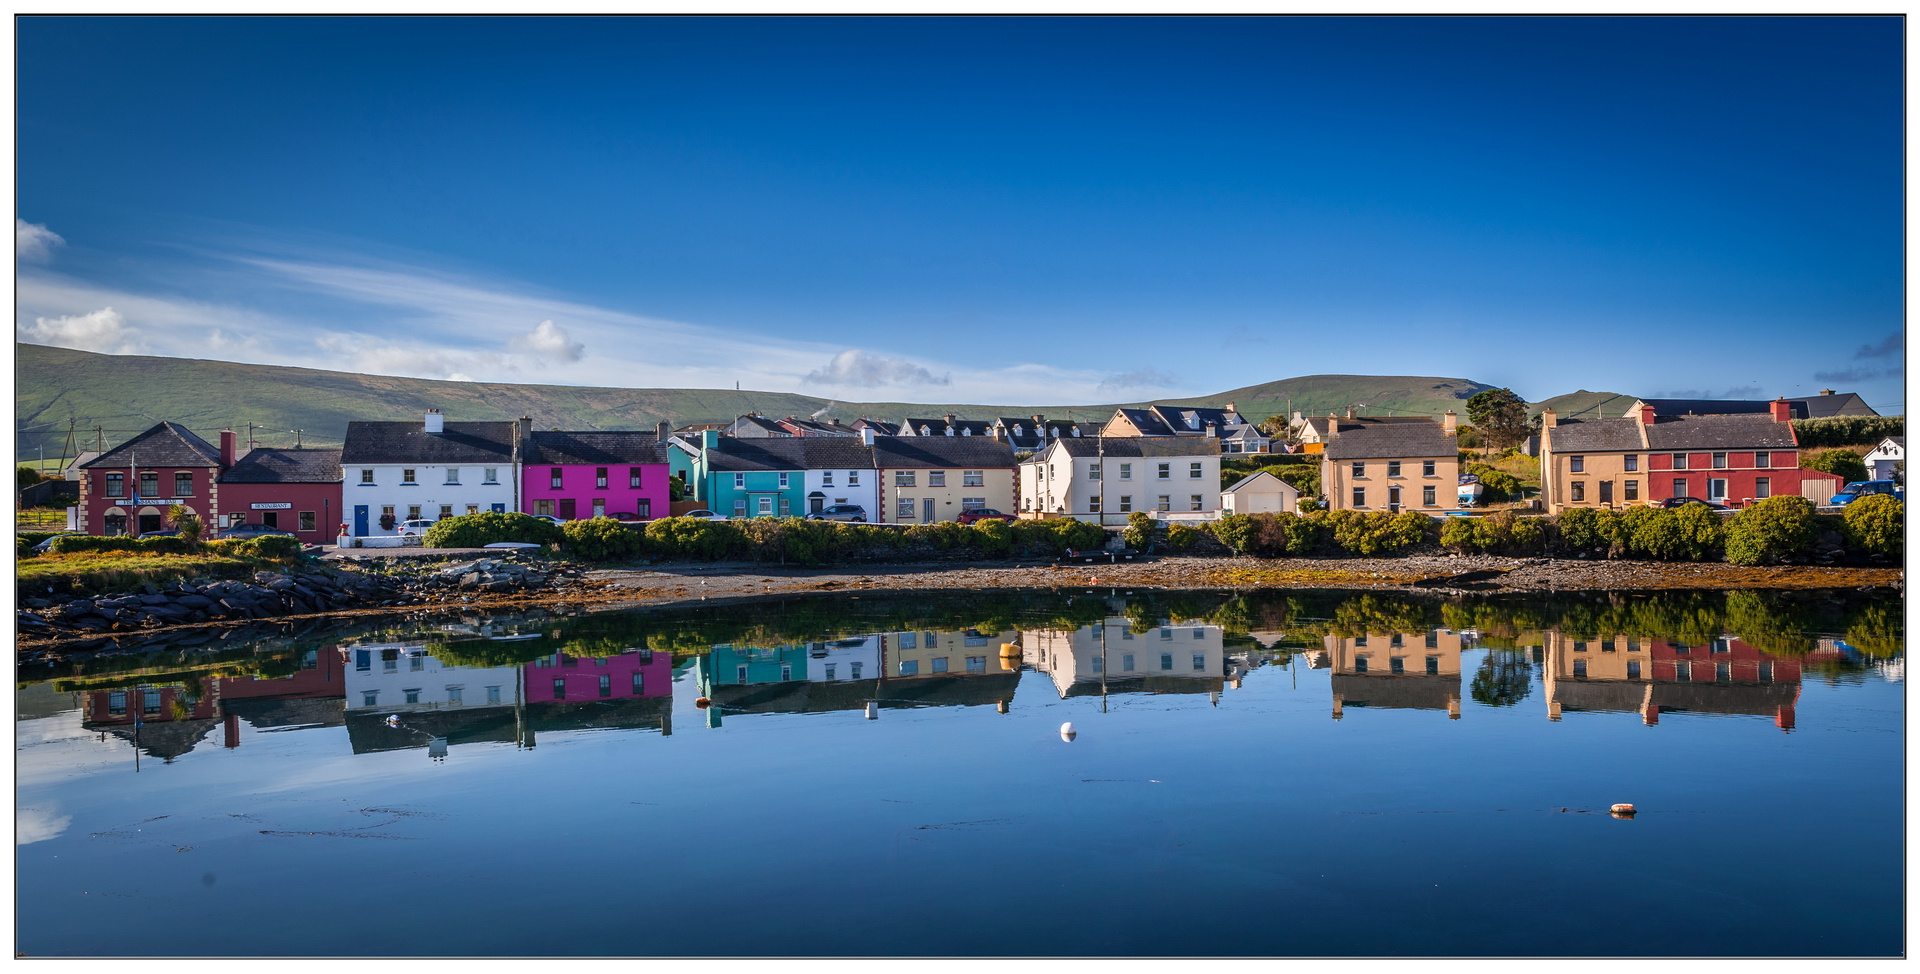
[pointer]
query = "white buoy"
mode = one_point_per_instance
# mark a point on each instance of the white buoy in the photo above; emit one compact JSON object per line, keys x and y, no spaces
{"x":873,"y":710}
{"x":1067,"y":733}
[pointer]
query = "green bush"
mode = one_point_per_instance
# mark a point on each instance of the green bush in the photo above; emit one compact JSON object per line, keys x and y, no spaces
{"x":1506,"y":532}
{"x":276,"y":546}
{"x":993,"y":538}
{"x":152,"y":546}
{"x":1770,"y":530}
{"x":1499,"y":484}
{"x":491,"y":527}
{"x":1845,"y":463}
{"x":1848,"y":430}
{"x":1237,"y":531}
{"x":1458,"y":534}
{"x":695,"y":539}
{"x":1139,"y":532}
{"x":601,"y":539}
{"x":1874,"y":524}
{"x":1689,"y":533}
{"x":1180,"y":537}
{"x":1376,"y":532}
{"x":1580,"y":529}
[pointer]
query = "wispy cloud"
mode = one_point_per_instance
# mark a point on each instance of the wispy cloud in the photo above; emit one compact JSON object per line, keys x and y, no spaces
{"x":32,"y":825}
{"x":33,"y":242}
{"x":1894,"y":344}
{"x":854,"y":367}
{"x":1737,"y":392}
{"x":1856,"y":375}
{"x":1145,"y":378}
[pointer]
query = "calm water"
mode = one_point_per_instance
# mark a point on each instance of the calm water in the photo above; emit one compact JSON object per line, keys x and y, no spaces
{"x":1281,"y":773}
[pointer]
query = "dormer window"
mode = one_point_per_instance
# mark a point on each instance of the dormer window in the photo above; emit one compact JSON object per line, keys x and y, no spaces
{"x":1017,"y":431}
{"x":1054,"y":432}
{"x":1076,"y":431}
{"x":966,"y":431}
{"x":926,"y":431}
{"x":949,"y":431}
{"x":1193,"y":421}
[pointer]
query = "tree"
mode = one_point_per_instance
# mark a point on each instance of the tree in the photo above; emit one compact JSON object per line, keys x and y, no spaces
{"x":677,"y":487}
{"x":1501,"y":417}
{"x":186,"y":522}
{"x":1846,"y":463}
{"x":29,"y":476}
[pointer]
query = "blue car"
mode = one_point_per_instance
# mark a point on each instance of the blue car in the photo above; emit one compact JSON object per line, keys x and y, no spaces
{"x":1857,"y":490}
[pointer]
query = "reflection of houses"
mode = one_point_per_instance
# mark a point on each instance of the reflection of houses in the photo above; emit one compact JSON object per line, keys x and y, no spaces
{"x":561,"y":678}
{"x":911,"y":669}
{"x":1111,"y":658}
{"x":314,"y":696}
{"x":163,"y":720}
{"x":1655,"y":675}
{"x":1396,"y":671}
{"x":437,"y":704}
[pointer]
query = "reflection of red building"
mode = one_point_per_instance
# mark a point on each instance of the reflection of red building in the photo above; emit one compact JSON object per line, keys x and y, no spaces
{"x":1726,"y":662}
{"x":1652,"y":675}
{"x":314,"y":695}
{"x":166,"y":721}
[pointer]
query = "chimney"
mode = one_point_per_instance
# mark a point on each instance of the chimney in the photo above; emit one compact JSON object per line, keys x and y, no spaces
{"x":710,"y":439}
{"x":435,"y":422}
{"x":995,"y":432}
{"x":1549,"y":418}
{"x":226,"y":448}
{"x":950,"y":418}
{"x":1349,"y":412}
{"x":1646,"y":414}
{"x":1826,"y":392}
{"x":1782,"y":410}
{"x":866,"y":436}
{"x":1039,"y":421}
{"x":1211,"y":431}
{"x":662,"y":431}
{"x":1231,"y":409}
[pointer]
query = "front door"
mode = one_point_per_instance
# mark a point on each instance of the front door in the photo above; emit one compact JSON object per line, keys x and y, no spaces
{"x":1606,"y":492}
{"x":1393,"y":499}
{"x":817,"y":504}
{"x":928,"y":507}
{"x":566,"y":509}
{"x":599,"y":507}
{"x":149,"y":522}
{"x":1716,"y":489}
{"x":359,"y":520}
{"x":499,"y":508}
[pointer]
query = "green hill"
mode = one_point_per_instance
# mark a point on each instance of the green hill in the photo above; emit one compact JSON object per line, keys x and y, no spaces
{"x":1586,"y":405}
{"x":124,"y":394}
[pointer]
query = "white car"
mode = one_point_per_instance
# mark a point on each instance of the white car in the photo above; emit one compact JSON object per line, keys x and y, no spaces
{"x":550,"y":519}
{"x":415,"y":528}
{"x":702,"y":515}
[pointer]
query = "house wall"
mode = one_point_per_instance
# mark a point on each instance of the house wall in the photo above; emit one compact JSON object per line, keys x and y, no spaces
{"x":95,"y":506}
{"x":1558,"y":478}
{"x":429,"y":493}
{"x":321,"y":500}
{"x":1337,"y":482}
{"x":943,"y":654}
{"x":578,"y":483}
{"x":1262,"y":498}
{"x":1165,"y":653}
{"x":1783,"y":475}
{"x":1646,"y":660}
{"x":388,"y":671}
{"x":997,"y":488}
{"x":856,"y":486}
{"x":833,"y":663}
{"x":728,"y":500}
{"x":1059,"y":484}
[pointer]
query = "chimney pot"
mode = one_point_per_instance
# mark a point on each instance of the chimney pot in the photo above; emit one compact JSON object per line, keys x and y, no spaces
{"x":1450,"y":420}
{"x":1781,"y":409}
{"x":1826,"y":392}
{"x":1646,"y":414}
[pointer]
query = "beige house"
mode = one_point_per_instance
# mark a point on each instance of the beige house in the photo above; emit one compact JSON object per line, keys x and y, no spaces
{"x":1392,"y":467}
{"x":1592,"y":462}
{"x":1395,"y":670}
{"x":1260,"y":492}
{"x":925,"y":479}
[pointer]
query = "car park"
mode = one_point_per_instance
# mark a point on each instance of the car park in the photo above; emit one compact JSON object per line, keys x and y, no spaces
{"x":983,"y":514}
{"x":840,"y":512}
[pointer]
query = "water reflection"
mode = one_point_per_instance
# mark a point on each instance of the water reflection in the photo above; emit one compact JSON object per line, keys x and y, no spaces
{"x":1651,"y":675}
{"x":1117,"y":655}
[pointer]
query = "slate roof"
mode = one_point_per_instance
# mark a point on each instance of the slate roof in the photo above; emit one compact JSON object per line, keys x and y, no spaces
{"x":371,"y":441}
{"x":756,"y":426}
{"x":938,"y":427}
{"x":796,"y":453}
{"x":1706,"y":407}
{"x":1146,"y":422}
{"x":596,"y":448}
{"x":1193,"y":420}
{"x":1256,"y":475}
{"x":1319,"y":424}
{"x":1731,"y":432}
{"x":1595,"y":436}
{"x":1140,"y":446}
{"x":1033,"y":435}
{"x":879,"y":427}
{"x":165,"y":445}
{"x":1821,"y":407}
{"x":1243,"y":431}
{"x":838,"y":453}
{"x":1392,"y":441}
{"x":940,"y":451}
{"x":273,"y":465}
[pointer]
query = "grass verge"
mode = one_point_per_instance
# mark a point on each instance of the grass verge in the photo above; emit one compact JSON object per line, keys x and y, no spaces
{"x":100,"y":572}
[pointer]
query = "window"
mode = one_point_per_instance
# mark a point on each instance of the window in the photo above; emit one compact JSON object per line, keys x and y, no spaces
{"x":413,"y":512}
{"x":1126,"y":662}
{"x":456,"y":695}
{"x":367,"y":697}
{"x":1393,"y":468}
{"x":543,"y":507}
{"x":1632,"y":462}
{"x":1093,"y":504}
{"x":1126,"y":471}
{"x":490,"y":475}
{"x":940,"y":665}
{"x":1679,"y":461}
{"x":1199,"y":634}
{"x":1679,"y":488}
{"x":606,"y":686}
{"x":1360,"y":469}
{"x":149,"y":485}
{"x":932,"y":639}
{"x":1196,"y":502}
{"x":1682,"y":648}
{"x":936,"y":478}
{"x":909,"y":641}
{"x":903,"y":509}
{"x":182,"y":484}
{"x":560,"y":687}
{"x":1763,"y":460}
{"x":1193,"y":471}
{"x":1360,"y":640}
{"x":1093,"y":471}
{"x":1579,"y":646}
{"x":904,"y":478}
{"x":1165,"y":503}
{"x":853,"y":478}
{"x":1427,"y":496}
{"x":1633,"y":644}
{"x":1577,"y":464}
{"x":1721,"y":645}
{"x":366,"y":477}
{"x":117,"y":702}
{"x":363,"y":660}
{"x":1633,"y":669}
{"x":909,"y":667}
{"x":740,"y":673}
{"x":1427,"y":470}
{"x":976,"y":664}
{"x":1359,"y":664}
{"x":309,"y":522}
{"x":473,"y":509}
{"x":116,"y":485}
{"x":1630,"y":490}
{"x":1126,"y":503}
{"x":446,"y":510}
{"x":784,"y":481}
{"x":1766,"y":672}
{"x":973,"y":504}
{"x":1397,"y":640}
{"x":1166,"y":661}
{"x":416,"y":663}
{"x":1199,"y":661}
{"x":554,"y":478}
{"x":1433,"y":639}
{"x":1397,"y":665}
{"x":766,"y":505}
{"x":1722,"y":672}
{"x":1579,"y":490}
{"x":1166,"y":471}
{"x":739,"y":481}
{"x":826,"y":478}
{"x":413,"y":695}
{"x":1580,"y":668}
{"x":1607,"y":646}
{"x":1359,"y":497}
{"x":740,"y":507}
{"x":453,"y":475}
{"x":1433,"y":666}
{"x":493,"y":694}
{"x":406,"y":477}
{"x":853,"y":671}
{"x":1719,"y":461}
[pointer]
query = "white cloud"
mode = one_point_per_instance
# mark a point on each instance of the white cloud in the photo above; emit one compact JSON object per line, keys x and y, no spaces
{"x":32,"y":825}
{"x":854,"y":367}
{"x":1147,"y":378}
{"x":97,"y":331}
{"x":33,"y":242}
{"x":550,"y":341}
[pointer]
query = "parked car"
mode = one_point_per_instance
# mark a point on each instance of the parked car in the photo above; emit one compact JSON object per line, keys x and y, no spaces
{"x":47,"y":545}
{"x":416,"y":527}
{"x":983,"y":514}
{"x":1673,"y":502}
{"x":626,"y":518}
{"x":161,"y":534}
{"x":703,"y":515}
{"x":550,"y":519}
{"x":840,"y":512}
{"x":243,"y":532}
{"x":1858,"y":489}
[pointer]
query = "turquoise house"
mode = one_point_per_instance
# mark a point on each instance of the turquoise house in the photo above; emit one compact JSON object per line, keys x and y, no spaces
{"x":736,"y":477}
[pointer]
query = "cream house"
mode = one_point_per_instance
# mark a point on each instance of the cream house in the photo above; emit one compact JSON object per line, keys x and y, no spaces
{"x":924,"y":479}
{"x":1103,"y":479}
{"x":1392,"y":467}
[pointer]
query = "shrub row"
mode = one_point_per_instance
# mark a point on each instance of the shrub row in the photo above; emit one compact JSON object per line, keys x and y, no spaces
{"x":1354,"y":532}
{"x":1848,"y":430}
{"x":275,"y":547}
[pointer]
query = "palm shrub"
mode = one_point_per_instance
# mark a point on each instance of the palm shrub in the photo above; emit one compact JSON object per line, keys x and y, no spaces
{"x":1873,"y":524}
{"x":186,"y":522}
{"x":491,"y":527}
{"x":1770,"y":530}
{"x":601,"y":539}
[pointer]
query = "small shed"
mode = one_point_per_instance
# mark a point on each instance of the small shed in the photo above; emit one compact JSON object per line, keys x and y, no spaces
{"x":1888,"y":460}
{"x":1260,"y":492}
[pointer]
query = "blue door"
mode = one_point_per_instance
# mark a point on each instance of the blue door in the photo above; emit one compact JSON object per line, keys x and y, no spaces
{"x":359,"y":520}
{"x":499,"y":508}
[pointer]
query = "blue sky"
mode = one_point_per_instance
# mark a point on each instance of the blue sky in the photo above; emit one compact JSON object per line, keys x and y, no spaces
{"x":1021,"y":211}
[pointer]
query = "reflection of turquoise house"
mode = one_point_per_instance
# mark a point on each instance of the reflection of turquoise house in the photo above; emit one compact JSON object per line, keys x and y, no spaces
{"x":750,"y":477}
{"x":729,"y":665}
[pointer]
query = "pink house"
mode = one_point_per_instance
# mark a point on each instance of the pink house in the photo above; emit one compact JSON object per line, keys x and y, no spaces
{"x":574,"y":476}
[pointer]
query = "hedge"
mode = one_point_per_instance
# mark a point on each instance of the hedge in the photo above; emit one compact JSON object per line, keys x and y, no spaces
{"x":1848,"y":430}
{"x":1875,"y":524}
{"x":491,"y":527}
{"x":272,"y":546}
{"x":1770,"y":530}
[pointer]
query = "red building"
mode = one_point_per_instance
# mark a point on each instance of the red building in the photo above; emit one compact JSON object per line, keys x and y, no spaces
{"x":1732,"y":459}
{"x":292,"y":490}
{"x":128,"y":489}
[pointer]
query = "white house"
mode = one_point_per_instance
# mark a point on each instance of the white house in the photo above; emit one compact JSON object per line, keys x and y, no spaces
{"x":840,"y":471}
{"x":1110,"y":656}
{"x":847,"y":658}
{"x":1888,"y":460}
{"x":1260,"y":492}
{"x":397,"y":472}
{"x":402,"y":678}
{"x":1101,"y":480}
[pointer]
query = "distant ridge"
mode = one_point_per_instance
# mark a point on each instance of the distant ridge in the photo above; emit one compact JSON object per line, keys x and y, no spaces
{"x":1586,"y":405}
{"x":128,"y":393}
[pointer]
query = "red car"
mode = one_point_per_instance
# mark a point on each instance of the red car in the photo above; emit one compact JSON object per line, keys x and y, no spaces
{"x":983,"y":514}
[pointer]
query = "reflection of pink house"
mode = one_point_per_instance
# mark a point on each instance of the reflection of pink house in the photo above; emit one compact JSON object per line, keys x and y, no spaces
{"x":575,"y":476}
{"x":572,"y":678}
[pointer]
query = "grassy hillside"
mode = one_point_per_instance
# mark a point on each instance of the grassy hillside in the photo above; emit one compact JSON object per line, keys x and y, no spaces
{"x":128,"y":393}
{"x":1586,"y":405}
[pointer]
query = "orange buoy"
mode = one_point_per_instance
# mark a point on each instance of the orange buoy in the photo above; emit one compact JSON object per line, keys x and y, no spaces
{"x":1622,"y":810}
{"x":702,"y":703}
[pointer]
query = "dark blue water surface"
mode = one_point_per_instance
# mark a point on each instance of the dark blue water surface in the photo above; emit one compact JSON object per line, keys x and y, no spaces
{"x":1280,"y":773}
